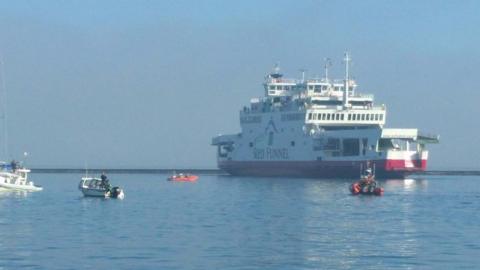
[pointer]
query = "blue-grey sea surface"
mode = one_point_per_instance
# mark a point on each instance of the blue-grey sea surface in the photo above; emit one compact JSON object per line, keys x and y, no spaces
{"x":226,"y":222}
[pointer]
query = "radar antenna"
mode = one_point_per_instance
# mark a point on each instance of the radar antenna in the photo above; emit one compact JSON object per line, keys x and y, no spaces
{"x":276,"y":72}
{"x":302,"y":70}
{"x":276,"y":68}
{"x":328,"y":63}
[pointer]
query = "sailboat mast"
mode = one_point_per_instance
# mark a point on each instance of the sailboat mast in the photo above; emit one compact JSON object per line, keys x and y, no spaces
{"x":3,"y":104}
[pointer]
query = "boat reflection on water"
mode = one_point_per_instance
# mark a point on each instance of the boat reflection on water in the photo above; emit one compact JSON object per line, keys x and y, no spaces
{"x":408,"y":184}
{"x":11,"y":193}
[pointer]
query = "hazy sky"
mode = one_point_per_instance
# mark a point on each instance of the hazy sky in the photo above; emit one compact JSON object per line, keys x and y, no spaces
{"x":148,"y":83}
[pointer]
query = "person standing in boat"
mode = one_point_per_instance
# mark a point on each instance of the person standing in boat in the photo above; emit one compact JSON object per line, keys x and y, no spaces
{"x":368,"y":182}
{"x":14,"y":165}
{"x":105,"y":182}
{"x":368,"y":174}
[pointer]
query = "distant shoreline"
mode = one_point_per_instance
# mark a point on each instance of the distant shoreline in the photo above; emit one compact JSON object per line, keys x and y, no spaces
{"x":211,"y":171}
{"x":128,"y":171}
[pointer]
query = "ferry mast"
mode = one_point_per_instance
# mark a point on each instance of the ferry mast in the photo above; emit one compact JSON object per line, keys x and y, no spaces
{"x":345,"y":93}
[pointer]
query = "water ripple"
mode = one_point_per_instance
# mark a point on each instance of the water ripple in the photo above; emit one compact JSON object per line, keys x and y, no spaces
{"x":224,"y":222}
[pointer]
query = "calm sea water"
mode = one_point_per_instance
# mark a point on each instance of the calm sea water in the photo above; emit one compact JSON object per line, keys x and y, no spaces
{"x":225,"y":222}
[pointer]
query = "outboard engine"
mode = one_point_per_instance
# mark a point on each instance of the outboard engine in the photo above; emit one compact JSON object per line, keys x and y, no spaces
{"x":117,"y":192}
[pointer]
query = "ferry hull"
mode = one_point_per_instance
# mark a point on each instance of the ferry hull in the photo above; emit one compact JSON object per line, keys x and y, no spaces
{"x":321,"y":169}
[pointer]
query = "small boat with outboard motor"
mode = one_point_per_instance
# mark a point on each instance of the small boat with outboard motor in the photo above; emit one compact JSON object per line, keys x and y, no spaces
{"x":99,"y":187}
{"x":13,"y":176}
{"x":366,"y":185}
{"x":183,"y":177}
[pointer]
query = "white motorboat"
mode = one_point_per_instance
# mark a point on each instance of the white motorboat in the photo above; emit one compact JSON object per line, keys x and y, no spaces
{"x":17,"y":179}
{"x":95,"y":187}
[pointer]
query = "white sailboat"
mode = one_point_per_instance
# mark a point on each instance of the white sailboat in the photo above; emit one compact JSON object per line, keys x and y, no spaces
{"x":13,"y":176}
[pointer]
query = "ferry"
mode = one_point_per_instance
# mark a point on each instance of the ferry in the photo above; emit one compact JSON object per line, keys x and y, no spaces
{"x":319,"y":127}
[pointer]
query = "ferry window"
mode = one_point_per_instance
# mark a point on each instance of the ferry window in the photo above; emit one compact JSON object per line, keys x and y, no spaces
{"x":371,"y":116}
{"x":310,"y":87}
{"x":318,"y":88}
{"x":364,"y":145}
{"x":279,"y":87}
{"x":310,"y":116}
{"x":342,"y":116}
{"x":324,"y":87}
{"x":337,"y":116}
{"x":314,"y":116}
{"x":363,"y":117}
{"x":324,"y":116}
{"x":349,"y":117}
{"x":351,"y":147}
{"x":376,"y":117}
{"x":354,"y":117}
{"x":270,"y":138}
{"x":368,"y":117}
{"x":331,"y":144}
{"x":287,"y":87}
{"x":328,"y":116}
{"x":336,"y":88}
{"x":272,"y":87}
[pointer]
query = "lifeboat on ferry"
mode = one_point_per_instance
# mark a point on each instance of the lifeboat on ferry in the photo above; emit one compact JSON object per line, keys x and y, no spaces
{"x":183,"y":177}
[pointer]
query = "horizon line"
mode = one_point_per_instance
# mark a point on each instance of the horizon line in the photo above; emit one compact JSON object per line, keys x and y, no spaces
{"x":212,"y":170}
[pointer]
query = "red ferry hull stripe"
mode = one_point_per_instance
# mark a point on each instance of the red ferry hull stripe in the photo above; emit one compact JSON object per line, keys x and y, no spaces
{"x":383,"y":168}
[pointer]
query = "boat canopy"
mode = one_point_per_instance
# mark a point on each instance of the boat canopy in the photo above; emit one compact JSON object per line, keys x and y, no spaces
{"x":5,"y":166}
{"x":412,"y":134}
{"x":224,"y":139}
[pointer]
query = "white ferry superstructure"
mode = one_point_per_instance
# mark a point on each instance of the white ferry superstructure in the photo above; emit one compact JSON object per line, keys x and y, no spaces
{"x":319,"y":128}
